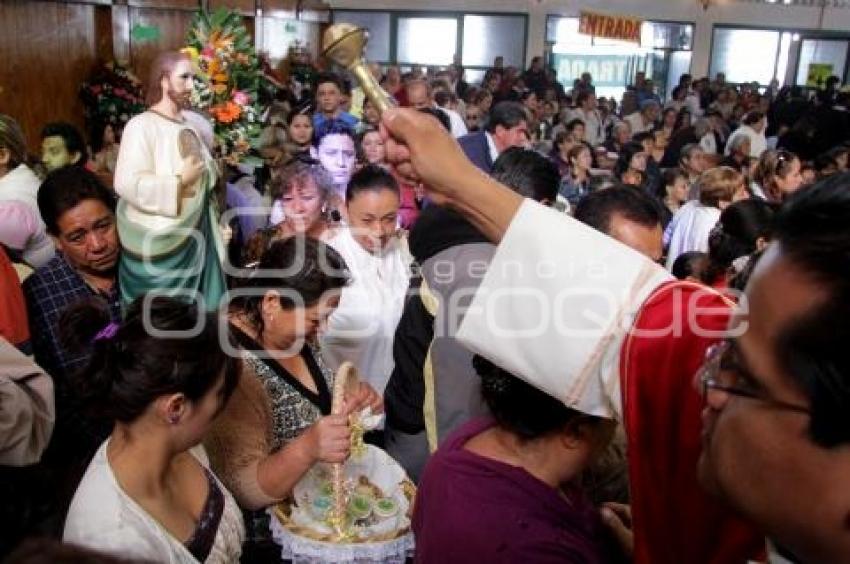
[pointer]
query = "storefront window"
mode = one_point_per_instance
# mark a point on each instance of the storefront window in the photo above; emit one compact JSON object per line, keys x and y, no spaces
{"x":663,"y":54}
{"x":745,"y":55}
{"x":427,"y":41}
{"x":828,"y":56}
{"x":420,"y":38}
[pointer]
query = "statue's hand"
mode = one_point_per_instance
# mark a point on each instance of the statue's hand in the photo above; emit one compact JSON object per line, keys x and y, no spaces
{"x":191,"y":172}
{"x":226,"y":234}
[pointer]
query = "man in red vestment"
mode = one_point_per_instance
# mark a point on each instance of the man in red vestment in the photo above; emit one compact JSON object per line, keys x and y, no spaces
{"x":674,"y":520}
{"x":661,"y":407}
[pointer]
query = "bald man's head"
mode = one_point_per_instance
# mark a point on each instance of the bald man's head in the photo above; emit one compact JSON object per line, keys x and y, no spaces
{"x":418,"y":94}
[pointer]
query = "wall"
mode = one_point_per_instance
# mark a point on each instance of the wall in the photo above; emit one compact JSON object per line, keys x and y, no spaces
{"x":49,"y":48}
{"x":722,"y":12}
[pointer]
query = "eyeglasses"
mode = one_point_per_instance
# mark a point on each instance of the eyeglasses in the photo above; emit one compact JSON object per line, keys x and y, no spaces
{"x":723,"y":371}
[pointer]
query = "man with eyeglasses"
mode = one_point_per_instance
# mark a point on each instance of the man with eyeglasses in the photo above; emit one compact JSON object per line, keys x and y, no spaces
{"x":776,"y":438}
{"x":603,"y":329}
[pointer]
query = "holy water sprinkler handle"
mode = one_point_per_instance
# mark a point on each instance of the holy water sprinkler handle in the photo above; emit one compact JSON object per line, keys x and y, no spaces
{"x":345,"y":44}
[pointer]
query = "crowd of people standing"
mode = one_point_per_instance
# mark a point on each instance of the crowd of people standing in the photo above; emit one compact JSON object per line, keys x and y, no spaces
{"x":161,"y":449}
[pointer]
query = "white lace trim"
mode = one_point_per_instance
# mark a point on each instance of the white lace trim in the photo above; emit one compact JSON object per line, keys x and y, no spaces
{"x":302,"y":550}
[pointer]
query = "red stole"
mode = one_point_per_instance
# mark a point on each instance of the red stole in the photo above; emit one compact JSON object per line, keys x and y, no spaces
{"x":674,"y":520}
{"x":14,"y":326}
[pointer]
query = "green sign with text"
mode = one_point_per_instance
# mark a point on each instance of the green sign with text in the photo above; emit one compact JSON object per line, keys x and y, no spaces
{"x":607,"y":70}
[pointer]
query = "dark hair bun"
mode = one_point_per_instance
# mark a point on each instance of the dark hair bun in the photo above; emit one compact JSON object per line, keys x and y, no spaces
{"x":519,"y":407}
{"x":157,"y":350}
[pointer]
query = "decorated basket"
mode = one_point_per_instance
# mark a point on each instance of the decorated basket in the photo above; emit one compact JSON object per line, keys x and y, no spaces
{"x":358,"y":511}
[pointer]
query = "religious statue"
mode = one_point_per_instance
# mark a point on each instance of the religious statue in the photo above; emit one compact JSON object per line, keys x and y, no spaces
{"x":299,"y":71}
{"x":168,"y":219}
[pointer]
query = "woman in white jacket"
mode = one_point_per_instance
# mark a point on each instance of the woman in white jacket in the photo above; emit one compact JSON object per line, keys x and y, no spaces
{"x":690,"y":227}
{"x":753,"y":126}
{"x":148,"y":493}
{"x":362,"y":328}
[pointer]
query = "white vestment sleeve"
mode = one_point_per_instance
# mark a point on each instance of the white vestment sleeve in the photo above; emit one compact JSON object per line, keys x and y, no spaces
{"x":555,"y":305}
{"x":135,"y":174}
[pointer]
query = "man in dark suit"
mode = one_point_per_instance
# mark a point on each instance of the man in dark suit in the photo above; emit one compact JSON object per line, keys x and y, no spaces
{"x":507,"y":127}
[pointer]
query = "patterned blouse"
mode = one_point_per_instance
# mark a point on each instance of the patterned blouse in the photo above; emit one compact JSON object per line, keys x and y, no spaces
{"x":294,"y":406}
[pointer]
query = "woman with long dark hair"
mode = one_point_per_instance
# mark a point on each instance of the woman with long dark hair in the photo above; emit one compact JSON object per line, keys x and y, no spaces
{"x":630,"y":168}
{"x":744,"y":228}
{"x":575,"y":184}
{"x":162,"y":376}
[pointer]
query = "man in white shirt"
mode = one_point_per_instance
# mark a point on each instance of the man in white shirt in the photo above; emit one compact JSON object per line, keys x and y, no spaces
{"x":644,"y":119}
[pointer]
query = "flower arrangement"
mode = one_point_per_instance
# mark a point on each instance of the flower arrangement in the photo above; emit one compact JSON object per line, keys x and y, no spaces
{"x":112,"y":95}
{"x":226,"y":82}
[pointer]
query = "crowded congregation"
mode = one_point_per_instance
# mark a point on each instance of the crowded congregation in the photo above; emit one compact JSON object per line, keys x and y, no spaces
{"x":353,"y":295}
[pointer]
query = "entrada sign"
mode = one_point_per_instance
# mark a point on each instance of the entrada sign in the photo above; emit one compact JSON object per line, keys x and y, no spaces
{"x":623,"y":28}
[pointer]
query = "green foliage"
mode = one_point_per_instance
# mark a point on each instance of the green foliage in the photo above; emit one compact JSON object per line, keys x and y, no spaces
{"x":227,"y":81}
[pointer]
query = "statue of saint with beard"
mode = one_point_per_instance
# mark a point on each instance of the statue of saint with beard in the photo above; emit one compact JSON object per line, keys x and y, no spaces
{"x":168,"y":220}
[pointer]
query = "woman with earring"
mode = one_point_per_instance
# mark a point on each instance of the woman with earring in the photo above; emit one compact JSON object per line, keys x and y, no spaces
{"x":300,"y":193}
{"x":371,"y":150}
{"x":148,"y":493}
{"x":361,"y":330}
{"x":278,"y":423}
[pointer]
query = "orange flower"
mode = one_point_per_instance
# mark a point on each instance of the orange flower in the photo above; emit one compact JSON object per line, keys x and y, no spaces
{"x":219,"y":88}
{"x":222,"y":41}
{"x":219,"y":77}
{"x":226,"y":113}
{"x":214,"y":67}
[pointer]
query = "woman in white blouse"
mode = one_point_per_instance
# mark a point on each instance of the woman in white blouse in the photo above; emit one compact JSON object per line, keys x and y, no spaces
{"x":148,"y":494}
{"x":689,"y":229}
{"x":753,"y":127}
{"x":361,"y":329}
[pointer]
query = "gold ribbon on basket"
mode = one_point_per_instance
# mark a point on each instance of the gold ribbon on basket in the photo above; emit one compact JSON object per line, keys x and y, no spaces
{"x":346,"y":381}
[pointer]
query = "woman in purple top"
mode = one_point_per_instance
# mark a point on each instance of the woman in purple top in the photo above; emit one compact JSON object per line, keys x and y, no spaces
{"x":503,"y":490}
